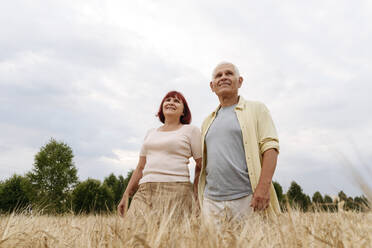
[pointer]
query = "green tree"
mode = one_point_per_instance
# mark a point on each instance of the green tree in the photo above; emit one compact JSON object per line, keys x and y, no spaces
{"x":361,"y":203}
{"x":15,"y":193}
{"x":129,"y":175}
{"x":279,"y":193}
{"x":297,"y":198}
{"x":327,"y":199}
{"x":306,"y":203}
{"x":91,"y":196}
{"x":342,"y":196}
{"x":329,"y":205}
{"x":349,"y":204}
{"x":54,"y":175}
{"x":278,"y":190}
{"x":317,"y":198}
{"x":117,"y":185}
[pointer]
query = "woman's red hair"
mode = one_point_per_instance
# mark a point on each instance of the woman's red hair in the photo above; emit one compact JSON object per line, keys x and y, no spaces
{"x":186,"y":117}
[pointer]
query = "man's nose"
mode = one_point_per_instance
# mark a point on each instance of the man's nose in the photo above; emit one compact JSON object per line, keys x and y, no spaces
{"x":224,"y":76}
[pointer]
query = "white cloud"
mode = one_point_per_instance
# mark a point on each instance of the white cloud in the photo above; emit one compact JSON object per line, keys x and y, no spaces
{"x":93,"y":74}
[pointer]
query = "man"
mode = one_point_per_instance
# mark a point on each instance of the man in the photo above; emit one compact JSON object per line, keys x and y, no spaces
{"x":240,"y":149}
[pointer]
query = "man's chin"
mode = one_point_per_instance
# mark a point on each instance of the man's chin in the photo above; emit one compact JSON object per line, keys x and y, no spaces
{"x":224,"y":92}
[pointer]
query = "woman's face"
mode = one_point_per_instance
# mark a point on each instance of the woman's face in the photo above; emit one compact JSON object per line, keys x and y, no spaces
{"x":172,"y":106}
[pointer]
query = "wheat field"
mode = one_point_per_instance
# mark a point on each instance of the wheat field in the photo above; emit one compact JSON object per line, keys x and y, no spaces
{"x":290,"y":229}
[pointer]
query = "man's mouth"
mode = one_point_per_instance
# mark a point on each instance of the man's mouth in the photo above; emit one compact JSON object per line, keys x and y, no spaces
{"x":224,"y":83}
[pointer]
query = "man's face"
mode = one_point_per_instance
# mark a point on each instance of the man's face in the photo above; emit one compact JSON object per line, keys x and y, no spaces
{"x":225,"y":81}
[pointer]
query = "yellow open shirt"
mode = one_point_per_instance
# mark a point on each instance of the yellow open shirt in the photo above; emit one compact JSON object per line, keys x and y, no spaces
{"x":259,"y":135}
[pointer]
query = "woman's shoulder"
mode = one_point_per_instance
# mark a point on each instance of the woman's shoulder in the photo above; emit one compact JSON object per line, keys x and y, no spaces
{"x":191,"y":128}
{"x":149,"y":131}
{"x":152,"y":130}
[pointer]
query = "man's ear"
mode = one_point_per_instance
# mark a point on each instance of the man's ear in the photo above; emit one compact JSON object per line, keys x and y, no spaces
{"x":240,"y":81}
{"x":211,"y":85}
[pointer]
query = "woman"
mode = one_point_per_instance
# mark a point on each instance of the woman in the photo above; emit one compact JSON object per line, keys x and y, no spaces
{"x":162,"y":173}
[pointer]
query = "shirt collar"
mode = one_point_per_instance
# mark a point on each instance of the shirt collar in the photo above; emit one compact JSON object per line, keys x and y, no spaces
{"x":239,"y":106}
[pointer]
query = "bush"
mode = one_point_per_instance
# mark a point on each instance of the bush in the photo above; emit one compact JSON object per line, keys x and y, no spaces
{"x":91,"y":196}
{"x":15,"y":193}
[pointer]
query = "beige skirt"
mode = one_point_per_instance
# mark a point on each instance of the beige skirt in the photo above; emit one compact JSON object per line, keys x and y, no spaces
{"x":156,"y":200}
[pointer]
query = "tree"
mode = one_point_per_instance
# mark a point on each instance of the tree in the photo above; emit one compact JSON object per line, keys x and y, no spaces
{"x":342,"y":196}
{"x":350,"y":205}
{"x":279,"y":193}
{"x":91,"y":196}
{"x":15,"y":193}
{"x":317,"y":198}
{"x":306,"y":203}
{"x":297,"y":198}
{"x":278,"y":190}
{"x":117,"y":185}
{"x":329,"y":205}
{"x":361,"y":203}
{"x":327,"y":199}
{"x":54,"y":175}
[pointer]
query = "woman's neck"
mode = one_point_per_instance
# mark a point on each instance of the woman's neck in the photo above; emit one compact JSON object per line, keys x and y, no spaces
{"x":171,"y":124}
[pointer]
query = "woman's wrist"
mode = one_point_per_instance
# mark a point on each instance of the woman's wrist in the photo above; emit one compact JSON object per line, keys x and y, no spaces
{"x":126,"y":194}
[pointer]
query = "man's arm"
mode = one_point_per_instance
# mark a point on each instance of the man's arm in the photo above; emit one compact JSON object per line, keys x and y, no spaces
{"x":261,"y":195}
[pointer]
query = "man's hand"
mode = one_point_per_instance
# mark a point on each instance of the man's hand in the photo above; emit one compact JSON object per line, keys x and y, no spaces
{"x":261,"y":197}
{"x":123,"y":205}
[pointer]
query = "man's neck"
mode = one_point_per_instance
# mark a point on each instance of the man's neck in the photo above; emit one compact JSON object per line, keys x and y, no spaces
{"x":226,"y":101}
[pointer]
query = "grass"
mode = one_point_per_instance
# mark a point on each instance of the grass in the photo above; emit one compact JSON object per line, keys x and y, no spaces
{"x":291,"y":229}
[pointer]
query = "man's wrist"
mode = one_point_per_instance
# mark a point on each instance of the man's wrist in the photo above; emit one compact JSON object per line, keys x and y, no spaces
{"x":265,"y":182}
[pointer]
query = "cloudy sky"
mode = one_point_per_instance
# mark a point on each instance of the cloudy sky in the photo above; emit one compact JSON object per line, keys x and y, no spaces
{"x":92,"y":74}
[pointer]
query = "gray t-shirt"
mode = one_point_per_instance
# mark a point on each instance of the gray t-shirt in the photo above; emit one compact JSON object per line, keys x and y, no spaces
{"x":227,"y":173}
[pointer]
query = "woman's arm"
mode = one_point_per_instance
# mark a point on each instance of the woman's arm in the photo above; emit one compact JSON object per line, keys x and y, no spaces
{"x":196,"y":178}
{"x":132,"y":186}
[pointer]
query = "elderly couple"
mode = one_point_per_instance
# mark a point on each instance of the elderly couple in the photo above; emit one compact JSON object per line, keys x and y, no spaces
{"x":235,"y":154}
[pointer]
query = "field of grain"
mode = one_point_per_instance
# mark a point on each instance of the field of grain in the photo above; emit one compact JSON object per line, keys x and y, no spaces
{"x":291,"y":229}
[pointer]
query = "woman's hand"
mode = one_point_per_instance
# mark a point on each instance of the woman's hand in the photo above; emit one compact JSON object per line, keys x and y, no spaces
{"x":196,"y":180}
{"x":132,"y":185}
{"x":123,"y":205}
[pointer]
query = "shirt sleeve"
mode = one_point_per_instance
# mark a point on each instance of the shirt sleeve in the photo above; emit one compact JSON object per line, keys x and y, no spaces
{"x":268,"y":137}
{"x":195,"y":142}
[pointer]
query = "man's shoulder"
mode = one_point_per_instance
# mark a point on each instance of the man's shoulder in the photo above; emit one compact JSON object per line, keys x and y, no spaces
{"x":253,"y":104}
{"x":207,"y":120}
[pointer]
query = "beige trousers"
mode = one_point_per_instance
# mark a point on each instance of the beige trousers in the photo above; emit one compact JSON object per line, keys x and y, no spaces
{"x":229,"y":210}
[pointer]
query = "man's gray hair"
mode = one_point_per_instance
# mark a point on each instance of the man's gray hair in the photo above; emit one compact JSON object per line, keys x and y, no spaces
{"x":226,"y":63}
